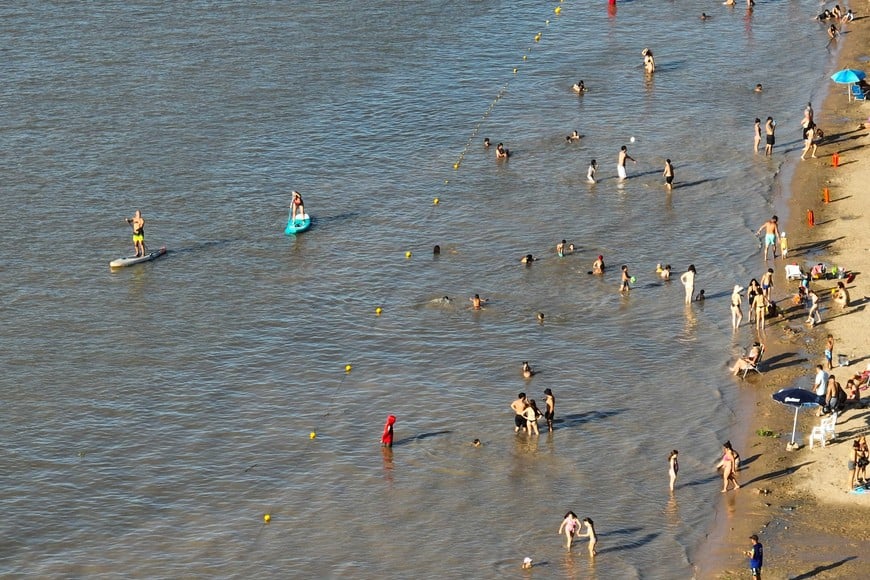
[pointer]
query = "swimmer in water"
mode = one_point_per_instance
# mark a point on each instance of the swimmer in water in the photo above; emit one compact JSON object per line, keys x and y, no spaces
{"x":477,"y":443}
{"x":486,"y":142}
{"x":527,"y":370}
{"x":598,"y":265}
{"x":575,"y":136}
{"x":649,"y":63}
{"x":527,"y":259}
{"x":501,"y":152}
{"x":590,"y":533}
{"x":560,"y":249}
{"x":759,"y":88}
{"x":700,"y":297}
{"x":579,"y":87}
{"x":704,"y":16}
{"x":477,"y":302}
{"x":570,"y":248}
{"x":666,"y":273}
{"x":540,"y":317}
{"x":590,"y":173}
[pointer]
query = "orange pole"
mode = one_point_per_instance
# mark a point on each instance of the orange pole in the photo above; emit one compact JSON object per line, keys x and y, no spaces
{"x":835,"y":160}
{"x":811,"y":218}
{"x":826,"y":195}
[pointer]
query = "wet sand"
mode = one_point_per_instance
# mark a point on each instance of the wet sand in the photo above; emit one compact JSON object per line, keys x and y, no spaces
{"x":797,"y":501}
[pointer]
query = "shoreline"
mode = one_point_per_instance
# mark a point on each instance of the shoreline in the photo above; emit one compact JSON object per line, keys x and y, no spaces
{"x":797,"y":499}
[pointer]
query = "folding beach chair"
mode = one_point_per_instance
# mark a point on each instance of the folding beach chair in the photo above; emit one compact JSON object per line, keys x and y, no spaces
{"x":858,"y":94}
{"x":754,"y":366}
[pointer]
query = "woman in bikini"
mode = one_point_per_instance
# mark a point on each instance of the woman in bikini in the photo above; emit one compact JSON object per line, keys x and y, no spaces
{"x":728,"y":464}
{"x":571,"y":526}
{"x":673,"y":467}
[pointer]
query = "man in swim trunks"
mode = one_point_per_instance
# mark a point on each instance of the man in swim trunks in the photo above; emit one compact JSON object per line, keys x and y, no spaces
{"x":771,"y":232}
{"x":620,"y":162}
{"x":519,"y":407}
{"x":769,"y":129}
{"x":550,"y":409}
{"x":669,"y":174}
{"x":138,"y":225}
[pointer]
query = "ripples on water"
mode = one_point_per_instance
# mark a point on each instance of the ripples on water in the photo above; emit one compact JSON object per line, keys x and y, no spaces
{"x":153,"y":415}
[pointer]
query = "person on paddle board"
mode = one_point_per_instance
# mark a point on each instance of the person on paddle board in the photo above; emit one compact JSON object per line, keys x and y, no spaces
{"x":297,"y":206}
{"x":138,"y":225}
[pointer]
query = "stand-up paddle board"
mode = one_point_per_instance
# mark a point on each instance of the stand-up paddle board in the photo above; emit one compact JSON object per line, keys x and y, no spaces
{"x":133,"y":260}
{"x":298,"y":225}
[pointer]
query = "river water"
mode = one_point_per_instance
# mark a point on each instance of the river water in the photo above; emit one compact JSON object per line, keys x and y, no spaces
{"x":151,"y":416}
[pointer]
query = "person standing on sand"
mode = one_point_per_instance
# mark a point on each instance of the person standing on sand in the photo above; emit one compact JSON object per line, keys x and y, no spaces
{"x":759,"y":305}
{"x":769,"y":129}
{"x":767,"y":283}
{"x":673,"y":467}
{"x":688,"y":280}
{"x":829,"y":352}
{"x":620,"y":162}
{"x":668,"y":174}
{"x":809,"y":138}
{"x":571,"y":526}
{"x":728,"y":465}
{"x":736,"y":306}
{"x":852,"y":463}
{"x":550,"y":408}
{"x":757,"y":135}
{"x":813,"y":317}
{"x":771,"y":232}
{"x":756,"y":557}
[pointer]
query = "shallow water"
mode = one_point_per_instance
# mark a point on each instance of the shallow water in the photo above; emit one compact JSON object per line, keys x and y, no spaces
{"x":153,"y":415}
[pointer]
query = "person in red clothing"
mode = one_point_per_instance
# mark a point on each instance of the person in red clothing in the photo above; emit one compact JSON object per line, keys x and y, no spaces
{"x":387,"y":437}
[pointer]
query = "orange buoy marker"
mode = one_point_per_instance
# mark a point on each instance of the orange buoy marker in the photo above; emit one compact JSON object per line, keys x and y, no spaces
{"x":835,"y":160}
{"x":826,"y":195}
{"x":811,"y":218}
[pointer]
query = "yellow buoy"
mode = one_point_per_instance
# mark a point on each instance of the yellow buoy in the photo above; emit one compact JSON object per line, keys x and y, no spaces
{"x":408,"y":254}
{"x":378,"y":310}
{"x":515,"y":71}
{"x":347,"y":368}
{"x":557,"y":9}
{"x":267,"y":518}
{"x":456,"y":166}
{"x":312,"y":435}
{"x":436,"y":201}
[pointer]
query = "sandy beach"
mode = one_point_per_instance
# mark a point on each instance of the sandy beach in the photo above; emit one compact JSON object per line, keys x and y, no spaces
{"x":797,"y":501}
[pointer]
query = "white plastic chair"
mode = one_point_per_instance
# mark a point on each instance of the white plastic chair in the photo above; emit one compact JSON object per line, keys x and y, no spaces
{"x":825,"y":430}
{"x":793,"y":272}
